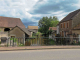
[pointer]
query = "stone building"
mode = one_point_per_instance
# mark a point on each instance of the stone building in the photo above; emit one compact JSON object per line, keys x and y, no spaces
{"x":13,"y":27}
{"x":67,"y":24}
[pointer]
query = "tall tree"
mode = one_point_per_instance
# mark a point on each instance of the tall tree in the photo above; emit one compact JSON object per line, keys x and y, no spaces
{"x":46,"y":22}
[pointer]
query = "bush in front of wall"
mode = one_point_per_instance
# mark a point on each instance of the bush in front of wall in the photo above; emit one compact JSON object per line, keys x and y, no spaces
{"x":51,"y":42}
{"x":21,"y":44}
{"x":15,"y":39}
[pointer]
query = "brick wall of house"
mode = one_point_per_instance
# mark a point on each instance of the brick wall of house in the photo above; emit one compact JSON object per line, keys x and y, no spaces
{"x":76,"y":20}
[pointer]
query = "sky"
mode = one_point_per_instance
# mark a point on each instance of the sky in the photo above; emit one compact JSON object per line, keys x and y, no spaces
{"x":31,"y":11}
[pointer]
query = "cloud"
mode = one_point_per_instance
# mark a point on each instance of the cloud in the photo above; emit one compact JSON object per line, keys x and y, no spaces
{"x":27,"y":22}
{"x":30,"y":23}
{"x":31,"y":11}
{"x":54,"y":6}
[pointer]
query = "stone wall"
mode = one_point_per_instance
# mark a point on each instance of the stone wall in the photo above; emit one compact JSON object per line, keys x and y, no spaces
{"x":76,"y":20}
{"x":16,"y":32}
{"x":76,"y":31}
{"x":3,"y":34}
{"x":2,"y":28}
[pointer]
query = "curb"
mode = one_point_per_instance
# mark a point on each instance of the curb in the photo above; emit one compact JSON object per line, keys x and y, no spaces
{"x":36,"y":49}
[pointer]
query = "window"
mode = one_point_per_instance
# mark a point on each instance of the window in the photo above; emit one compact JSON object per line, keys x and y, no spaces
{"x":61,"y":25}
{"x":6,"y":29}
{"x":64,"y":25}
{"x":67,"y":25}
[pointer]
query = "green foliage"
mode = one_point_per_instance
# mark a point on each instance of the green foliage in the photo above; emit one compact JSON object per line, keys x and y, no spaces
{"x":15,"y":39}
{"x":79,"y":43}
{"x":38,"y":34}
{"x":0,"y":30}
{"x":21,"y":44}
{"x":50,"y":31}
{"x":49,"y":42}
{"x":46,"y":22}
{"x":28,"y":39}
{"x":0,"y":42}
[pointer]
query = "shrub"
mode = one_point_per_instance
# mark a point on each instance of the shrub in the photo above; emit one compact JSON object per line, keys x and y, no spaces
{"x":21,"y":44}
{"x":78,"y":43}
{"x":15,"y":39}
{"x":49,"y":42}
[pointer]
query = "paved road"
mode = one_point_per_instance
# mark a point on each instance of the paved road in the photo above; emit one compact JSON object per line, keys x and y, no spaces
{"x":51,"y":54}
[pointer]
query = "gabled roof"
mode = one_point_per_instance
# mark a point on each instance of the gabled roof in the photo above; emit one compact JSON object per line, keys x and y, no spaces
{"x":32,"y":27}
{"x":10,"y":22}
{"x":53,"y":28}
{"x":23,"y":29}
{"x":70,"y":16}
{"x":26,"y":31}
{"x":32,"y":30}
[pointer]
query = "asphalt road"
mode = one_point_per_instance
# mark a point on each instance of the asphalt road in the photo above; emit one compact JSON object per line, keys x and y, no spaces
{"x":51,"y":54}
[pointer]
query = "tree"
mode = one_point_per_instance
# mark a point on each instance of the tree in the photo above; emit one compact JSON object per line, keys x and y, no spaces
{"x":45,"y":23}
{"x":38,"y":34}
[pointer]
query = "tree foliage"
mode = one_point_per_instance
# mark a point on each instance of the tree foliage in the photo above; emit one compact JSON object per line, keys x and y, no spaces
{"x":38,"y":34}
{"x":47,"y":22}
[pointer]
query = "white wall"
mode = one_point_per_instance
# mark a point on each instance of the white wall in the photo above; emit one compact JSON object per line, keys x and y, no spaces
{"x":57,"y":29}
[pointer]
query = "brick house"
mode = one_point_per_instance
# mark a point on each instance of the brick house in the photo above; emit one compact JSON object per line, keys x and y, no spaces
{"x":68,"y":24}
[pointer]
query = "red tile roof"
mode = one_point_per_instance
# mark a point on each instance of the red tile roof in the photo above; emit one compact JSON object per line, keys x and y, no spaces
{"x":53,"y":28}
{"x":10,"y":22}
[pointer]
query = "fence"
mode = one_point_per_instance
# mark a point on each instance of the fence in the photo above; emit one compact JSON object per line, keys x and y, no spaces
{"x":42,"y":41}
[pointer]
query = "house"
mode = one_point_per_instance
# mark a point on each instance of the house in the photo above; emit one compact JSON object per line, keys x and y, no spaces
{"x":69,"y":23}
{"x":76,"y":31}
{"x":13,"y":27}
{"x":53,"y":32}
{"x":57,"y":28}
{"x":33,"y":28}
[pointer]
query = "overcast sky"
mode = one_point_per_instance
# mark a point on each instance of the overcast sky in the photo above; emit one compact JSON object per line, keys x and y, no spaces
{"x":31,"y":11}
